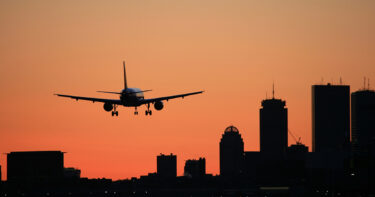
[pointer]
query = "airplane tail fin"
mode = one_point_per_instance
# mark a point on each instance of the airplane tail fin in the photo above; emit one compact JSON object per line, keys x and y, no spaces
{"x":125,"y":83}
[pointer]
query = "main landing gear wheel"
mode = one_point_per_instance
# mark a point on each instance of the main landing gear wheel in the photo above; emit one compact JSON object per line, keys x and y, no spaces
{"x":148,"y":112}
{"x":114,"y":112}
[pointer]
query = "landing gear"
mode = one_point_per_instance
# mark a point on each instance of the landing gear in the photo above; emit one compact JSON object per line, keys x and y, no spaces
{"x":148,"y":111}
{"x":136,"y":112}
{"x":114,"y":112}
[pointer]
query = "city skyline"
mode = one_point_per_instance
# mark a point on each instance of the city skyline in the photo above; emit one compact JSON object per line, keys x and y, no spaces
{"x":235,"y":51}
{"x":272,"y":102}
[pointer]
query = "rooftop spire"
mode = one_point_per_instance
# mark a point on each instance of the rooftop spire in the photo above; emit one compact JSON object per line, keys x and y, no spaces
{"x":273,"y":90}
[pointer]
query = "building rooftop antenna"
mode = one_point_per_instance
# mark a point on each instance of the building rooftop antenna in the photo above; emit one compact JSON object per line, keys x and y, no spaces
{"x":340,"y":81}
{"x":273,"y":90}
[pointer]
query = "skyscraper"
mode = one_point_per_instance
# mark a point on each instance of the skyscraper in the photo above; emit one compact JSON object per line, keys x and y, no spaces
{"x":167,"y":166}
{"x":195,"y":168}
{"x":363,"y":120}
{"x":273,"y":127}
{"x":330,"y":117}
{"x":231,"y":152}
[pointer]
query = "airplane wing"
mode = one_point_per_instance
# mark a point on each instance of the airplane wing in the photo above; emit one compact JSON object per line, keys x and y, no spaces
{"x":153,"y":100}
{"x":112,"y":101}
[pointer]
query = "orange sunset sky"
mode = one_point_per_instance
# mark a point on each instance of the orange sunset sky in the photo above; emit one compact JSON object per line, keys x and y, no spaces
{"x":233,"y":50}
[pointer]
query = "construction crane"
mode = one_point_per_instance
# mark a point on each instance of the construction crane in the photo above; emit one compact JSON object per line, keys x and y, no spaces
{"x":298,"y":142}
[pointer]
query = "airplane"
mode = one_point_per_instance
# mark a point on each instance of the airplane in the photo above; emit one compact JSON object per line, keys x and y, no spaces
{"x":130,"y":97}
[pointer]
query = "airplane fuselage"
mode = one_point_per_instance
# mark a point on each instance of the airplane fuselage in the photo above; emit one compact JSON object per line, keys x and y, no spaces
{"x":131,"y":97}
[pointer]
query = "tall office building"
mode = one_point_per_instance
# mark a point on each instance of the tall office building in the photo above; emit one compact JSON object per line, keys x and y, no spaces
{"x":231,"y":152}
{"x":167,"y":166}
{"x":363,"y":120}
{"x":35,"y":166}
{"x":195,"y":168}
{"x":330,"y":118}
{"x":273,"y":127}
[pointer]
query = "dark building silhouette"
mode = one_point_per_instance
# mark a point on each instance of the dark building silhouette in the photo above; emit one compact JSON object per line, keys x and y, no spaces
{"x":195,"y":168}
{"x":35,"y":166}
{"x":363,"y":137}
{"x":297,"y":149}
{"x":231,"y":152}
{"x":330,"y":118}
{"x":296,"y":163}
{"x":363,"y":120}
{"x":273,"y":127}
{"x":252,"y":161}
{"x":72,"y":173}
{"x":167,"y":166}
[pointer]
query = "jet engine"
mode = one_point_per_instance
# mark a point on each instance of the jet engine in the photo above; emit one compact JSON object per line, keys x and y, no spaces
{"x":158,"y":105}
{"x":108,"y":106}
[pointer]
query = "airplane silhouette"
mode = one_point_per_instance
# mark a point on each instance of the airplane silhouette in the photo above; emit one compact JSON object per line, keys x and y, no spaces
{"x":130,"y":97}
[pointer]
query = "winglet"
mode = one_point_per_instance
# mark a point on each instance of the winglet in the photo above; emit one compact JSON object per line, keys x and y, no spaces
{"x":125,"y":83}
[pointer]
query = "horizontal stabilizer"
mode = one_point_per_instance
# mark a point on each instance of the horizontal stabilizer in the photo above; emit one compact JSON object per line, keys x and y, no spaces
{"x":140,"y":91}
{"x":126,"y":93}
{"x":109,"y":92}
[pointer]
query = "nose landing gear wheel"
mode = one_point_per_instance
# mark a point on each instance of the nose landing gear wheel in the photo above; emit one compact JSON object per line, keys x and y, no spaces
{"x":135,"y":112}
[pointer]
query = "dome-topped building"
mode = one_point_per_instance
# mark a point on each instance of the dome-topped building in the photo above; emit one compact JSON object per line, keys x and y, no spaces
{"x":231,"y":129}
{"x":231,"y":152}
